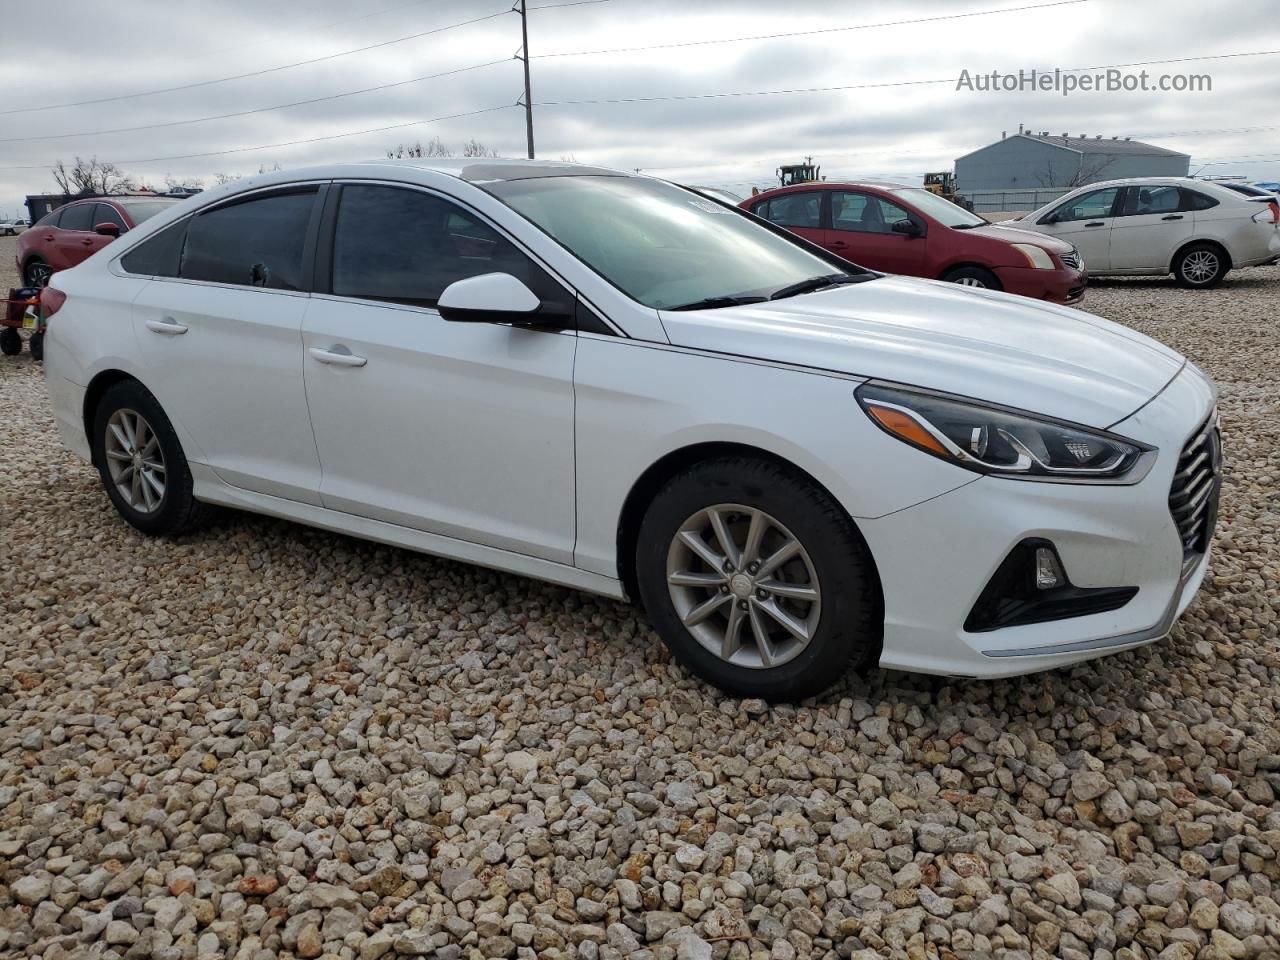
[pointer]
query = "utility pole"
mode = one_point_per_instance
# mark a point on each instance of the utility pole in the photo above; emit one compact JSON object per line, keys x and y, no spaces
{"x":528,"y":96}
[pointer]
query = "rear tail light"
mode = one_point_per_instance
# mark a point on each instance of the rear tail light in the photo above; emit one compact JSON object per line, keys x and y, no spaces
{"x":1269,"y":215}
{"x":51,"y":302}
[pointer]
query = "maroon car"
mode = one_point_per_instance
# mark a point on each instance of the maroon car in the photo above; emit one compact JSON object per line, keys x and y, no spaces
{"x":80,"y":228}
{"x":897,"y":228}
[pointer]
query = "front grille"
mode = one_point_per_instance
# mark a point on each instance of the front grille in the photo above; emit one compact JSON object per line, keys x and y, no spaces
{"x":1071,"y":259}
{"x":1193,"y":498}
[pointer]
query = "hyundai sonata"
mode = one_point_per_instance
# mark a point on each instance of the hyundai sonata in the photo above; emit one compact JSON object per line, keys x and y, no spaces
{"x":613,"y":383}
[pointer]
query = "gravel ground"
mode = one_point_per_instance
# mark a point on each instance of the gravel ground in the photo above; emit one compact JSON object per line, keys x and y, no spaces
{"x":267,"y":740}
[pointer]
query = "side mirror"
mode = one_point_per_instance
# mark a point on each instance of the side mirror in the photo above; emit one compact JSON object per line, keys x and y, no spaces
{"x":909,"y":227}
{"x":1050,"y":219}
{"x":108,"y":229}
{"x":491,"y":298}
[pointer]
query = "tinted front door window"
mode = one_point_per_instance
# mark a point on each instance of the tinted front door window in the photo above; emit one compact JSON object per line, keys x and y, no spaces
{"x":257,"y":242}
{"x":407,"y":246}
{"x":864,"y":213}
{"x":1090,"y":206}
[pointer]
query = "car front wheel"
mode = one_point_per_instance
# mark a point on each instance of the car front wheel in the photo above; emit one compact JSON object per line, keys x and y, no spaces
{"x":141,"y":462}
{"x":757,"y":580}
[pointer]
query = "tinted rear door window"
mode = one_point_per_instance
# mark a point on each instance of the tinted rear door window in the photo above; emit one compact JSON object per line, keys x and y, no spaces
{"x":406,"y":246}
{"x":793,"y":210}
{"x":257,"y":242}
{"x":78,"y":217}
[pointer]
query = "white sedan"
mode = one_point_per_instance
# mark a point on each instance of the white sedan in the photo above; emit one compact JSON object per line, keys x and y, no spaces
{"x":610,"y":382}
{"x":1195,"y":229}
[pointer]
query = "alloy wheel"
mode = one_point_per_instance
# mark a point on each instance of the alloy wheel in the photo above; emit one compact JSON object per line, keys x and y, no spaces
{"x":135,"y":460}
{"x":971,"y":282}
{"x":1200,"y":266}
{"x":744,"y":586}
{"x":38,"y":274}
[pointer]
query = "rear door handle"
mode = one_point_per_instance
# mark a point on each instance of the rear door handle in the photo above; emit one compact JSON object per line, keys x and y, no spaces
{"x":1096,"y":223}
{"x":1172,"y":216}
{"x":337,"y":357}
{"x":167,"y":326}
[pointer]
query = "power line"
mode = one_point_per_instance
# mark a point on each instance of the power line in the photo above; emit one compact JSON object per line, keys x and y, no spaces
{"x":245,"y":113}
{"x":258,"y":73}
{"x":810,"y":33}
{"x":869,"y":86}
{"x":288,"y":143}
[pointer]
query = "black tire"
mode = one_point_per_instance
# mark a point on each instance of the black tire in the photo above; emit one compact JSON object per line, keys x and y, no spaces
{"x":973,"y":277}
{"x":177,"y":511}
{"x":1200,"y":266}
{"x":36,"y":346}
{"x":10,"y":342}
{"x":36,"y":273}
{"x":849,"y":625}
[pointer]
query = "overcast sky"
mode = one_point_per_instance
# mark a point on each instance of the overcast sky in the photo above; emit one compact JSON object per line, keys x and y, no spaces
{"x":94,"y":50}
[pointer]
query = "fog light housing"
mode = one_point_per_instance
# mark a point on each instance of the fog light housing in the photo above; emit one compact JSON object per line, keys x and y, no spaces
{"x":1031,"y":586}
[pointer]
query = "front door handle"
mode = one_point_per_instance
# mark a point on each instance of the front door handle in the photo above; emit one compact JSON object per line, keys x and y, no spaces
{"x":838,"y":243}
{"x":338,"y":357}
{"x":167,"y":326}
{"x":1172,"y":216}
{"x":1096,"y":223}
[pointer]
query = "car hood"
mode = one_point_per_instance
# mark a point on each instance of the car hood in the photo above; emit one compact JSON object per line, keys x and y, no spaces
{"x":1009,"y":233}
{"x":991,"y":346}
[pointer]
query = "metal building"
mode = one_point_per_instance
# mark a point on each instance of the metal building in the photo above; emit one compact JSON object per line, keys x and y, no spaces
{"x":1038,"y":162}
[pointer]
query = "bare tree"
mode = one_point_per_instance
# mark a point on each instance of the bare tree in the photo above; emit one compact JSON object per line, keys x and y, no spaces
{"x":221,"y":178}
{"x":91,"y":176}
{"x":1088,"y":171}
{"x":474,"y":148}
{"x":568,"y":158}
{"x":434,"y":148}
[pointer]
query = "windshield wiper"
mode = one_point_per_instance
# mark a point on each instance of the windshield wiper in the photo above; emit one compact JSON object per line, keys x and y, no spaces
{"x":820,"y":283}
{"x":710,"y":303}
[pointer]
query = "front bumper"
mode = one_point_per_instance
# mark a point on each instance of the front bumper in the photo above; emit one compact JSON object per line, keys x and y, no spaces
{"x":1063,"y":285}
{"x":934,"y":559}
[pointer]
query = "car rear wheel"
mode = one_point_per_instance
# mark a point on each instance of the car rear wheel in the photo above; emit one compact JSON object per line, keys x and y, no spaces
{"x":756,"y":579}
{"x":141,"y":462}
{"x":37,"y":273}
{"x":973,"y":277}
{"x":1200,"y":265}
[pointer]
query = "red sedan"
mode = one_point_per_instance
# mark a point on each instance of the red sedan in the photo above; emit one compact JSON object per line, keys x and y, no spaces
{"x":896,"y":228}
{"x":72,"y":232}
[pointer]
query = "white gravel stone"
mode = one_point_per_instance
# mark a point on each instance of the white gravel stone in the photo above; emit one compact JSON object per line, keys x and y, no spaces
{"x":265,"y":739}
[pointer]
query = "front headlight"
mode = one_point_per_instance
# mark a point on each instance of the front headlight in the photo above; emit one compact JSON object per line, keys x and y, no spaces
{"x":1037,"y":256}
{"x":999,"y":441}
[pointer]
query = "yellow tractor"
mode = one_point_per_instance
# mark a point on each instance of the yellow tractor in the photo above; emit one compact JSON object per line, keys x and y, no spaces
{"x":793,"y":173}
{"x":942,"y":183}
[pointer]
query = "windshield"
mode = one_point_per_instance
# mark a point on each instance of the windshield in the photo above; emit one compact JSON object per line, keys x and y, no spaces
{"x":141,"y":210}
{"x":944,"y":211}
{"x":659,"y":243}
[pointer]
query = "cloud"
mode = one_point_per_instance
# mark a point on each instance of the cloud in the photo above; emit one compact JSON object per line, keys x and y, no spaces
{"x":139,"y":45}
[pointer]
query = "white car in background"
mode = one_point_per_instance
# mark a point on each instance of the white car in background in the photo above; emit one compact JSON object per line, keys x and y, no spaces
{"x":1195,"y":229}
{"x":613,"y":383}
{"x":13,"y":227}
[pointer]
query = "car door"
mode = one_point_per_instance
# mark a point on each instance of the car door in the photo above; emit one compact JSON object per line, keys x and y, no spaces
{"x":862,"y":231}
{"x":1085,"y":220}
{"x":800,"y":212}
{"x":74,"y":239}
{"x":218,"y":333}
{"x":464,"y":430}
{"x":1154,"y":220}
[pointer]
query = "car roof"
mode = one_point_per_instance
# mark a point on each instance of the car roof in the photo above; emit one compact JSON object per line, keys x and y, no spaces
{"x":496,"y":169}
